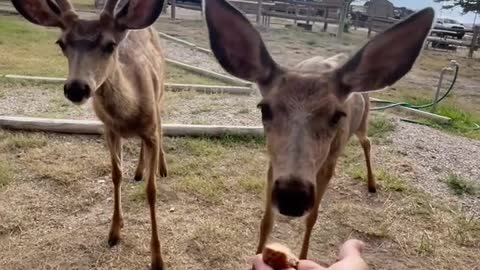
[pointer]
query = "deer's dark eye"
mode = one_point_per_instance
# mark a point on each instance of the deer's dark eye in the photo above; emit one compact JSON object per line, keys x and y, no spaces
{"x":109,"y":47}
{"x":337,"y":116}
{"x":61,"y":44}
{"x":266,"y":112}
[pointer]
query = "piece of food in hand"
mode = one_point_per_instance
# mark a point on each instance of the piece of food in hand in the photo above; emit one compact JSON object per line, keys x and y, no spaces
{"x":279,"y":257}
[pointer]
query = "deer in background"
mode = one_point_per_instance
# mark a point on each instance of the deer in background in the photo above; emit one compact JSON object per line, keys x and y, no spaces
{"x":123,"y":72}
{"x":310,"y":111}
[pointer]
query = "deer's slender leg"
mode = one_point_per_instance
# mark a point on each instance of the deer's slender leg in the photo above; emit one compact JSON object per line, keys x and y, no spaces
{"x":365,"y":142}
{"x":267,"y":219}
{"x":115,"y":145}
{"x":163,"y":169}
{"x":323,"y":178}
{"x":141,"y":164}
{"x":362,"y":135}
{"x":151,"y":156}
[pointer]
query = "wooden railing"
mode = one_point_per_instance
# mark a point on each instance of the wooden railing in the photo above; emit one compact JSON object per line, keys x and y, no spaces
{"x":379,"y":24}
{"x":301,"y":11}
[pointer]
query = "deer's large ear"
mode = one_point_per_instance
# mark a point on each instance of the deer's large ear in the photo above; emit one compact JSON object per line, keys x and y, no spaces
{"x":386,"y":58}
{"x":237,"y":45}
{"x":138,"y":14}
{"x":41,"y":12}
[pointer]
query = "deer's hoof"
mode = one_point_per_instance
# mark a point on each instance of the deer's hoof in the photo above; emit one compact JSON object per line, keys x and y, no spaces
{"x":113,"y":240}
{"x":138,"y":177}
{"x":163,"y":172}
{"x":372,"y":189}
{"x":158,"y":266}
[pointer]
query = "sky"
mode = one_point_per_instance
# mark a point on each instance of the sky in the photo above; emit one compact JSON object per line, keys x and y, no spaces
{"x":419,"y":4}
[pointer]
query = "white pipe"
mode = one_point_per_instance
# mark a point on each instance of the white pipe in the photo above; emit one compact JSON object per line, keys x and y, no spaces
{"x":93,"y":127}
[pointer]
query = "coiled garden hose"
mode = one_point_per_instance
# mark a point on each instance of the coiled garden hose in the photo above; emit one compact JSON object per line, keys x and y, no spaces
{"x":405,"y":104}
{"x":392,"y":104}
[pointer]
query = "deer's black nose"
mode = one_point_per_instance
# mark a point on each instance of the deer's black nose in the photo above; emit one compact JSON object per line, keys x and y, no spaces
{"x":293,"y":196}
{"x":76,"y":91}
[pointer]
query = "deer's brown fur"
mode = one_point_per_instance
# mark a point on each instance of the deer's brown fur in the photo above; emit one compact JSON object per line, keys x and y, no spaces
{"x":298,"y":93}
{"x":123,"y":72}
{"x":310,"y":111}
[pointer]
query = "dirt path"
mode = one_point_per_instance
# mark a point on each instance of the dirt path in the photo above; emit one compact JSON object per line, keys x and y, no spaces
{"x":56,"y":210}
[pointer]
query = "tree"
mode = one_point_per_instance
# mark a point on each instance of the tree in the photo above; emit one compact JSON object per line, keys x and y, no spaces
{"x":466,"y":5}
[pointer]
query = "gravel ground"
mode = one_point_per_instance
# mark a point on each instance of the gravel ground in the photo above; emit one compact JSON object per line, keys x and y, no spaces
{"x":188,"y":55}
{"x":431,"y":155}
{"x":180,"y":107}
{"x":194,"y":108}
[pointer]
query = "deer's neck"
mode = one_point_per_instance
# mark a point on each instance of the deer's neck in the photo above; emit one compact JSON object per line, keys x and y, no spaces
{"x":117,"y":88}
{"x":116,"y":99}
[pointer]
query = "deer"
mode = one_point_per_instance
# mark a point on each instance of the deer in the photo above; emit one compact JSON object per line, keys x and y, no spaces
{"x":117,"y":61}
{"x":311,"y":110}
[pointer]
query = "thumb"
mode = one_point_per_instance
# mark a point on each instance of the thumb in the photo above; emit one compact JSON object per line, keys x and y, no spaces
{"x":309,"y":265}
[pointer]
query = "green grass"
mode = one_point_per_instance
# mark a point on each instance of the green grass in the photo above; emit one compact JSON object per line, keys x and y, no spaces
{"x":388,"y":181}
{"x":211,"y":188}
{"x":139,"y":194}
{"x":467,"y":231}
{"x":364,"y":220}
{"x":252,"y":185}
{"x":5,"y":174}
{"x":380,"y":127}
{"x":461,"y":186}
{"x":202,"y":147}
{"x":425,"y":246}
{"x":87,"y":4}
{"x":210,"y":161}
{"x":29,"y":49}
{"x":23,"y":142}
{"x":463,"y":123}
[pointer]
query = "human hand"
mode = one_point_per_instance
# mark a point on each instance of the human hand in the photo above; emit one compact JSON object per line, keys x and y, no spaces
{"x":349,"y":259}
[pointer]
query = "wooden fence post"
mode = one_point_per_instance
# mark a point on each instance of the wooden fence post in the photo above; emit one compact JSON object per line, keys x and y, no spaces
{"x":172,"y":7}
{"x":325,"y":24}
{"x":259,"y":12}
{"x":357,"y":20}
{"x":343,"y":16}
{"x":165,"y":6}
{"x":474,"y":44}
{"x":369,"y":25}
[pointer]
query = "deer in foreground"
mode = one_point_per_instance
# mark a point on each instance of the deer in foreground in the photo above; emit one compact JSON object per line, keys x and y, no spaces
{"x":123,"y":72}
{"x":310,"y":111}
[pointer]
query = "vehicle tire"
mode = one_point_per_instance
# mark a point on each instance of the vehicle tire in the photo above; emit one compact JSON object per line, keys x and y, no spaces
{"x":460,"y":36}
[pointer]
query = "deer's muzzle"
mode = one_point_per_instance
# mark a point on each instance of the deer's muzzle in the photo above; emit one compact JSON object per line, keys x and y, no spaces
{"x":293,"y":196}
{"x":77,"y":91}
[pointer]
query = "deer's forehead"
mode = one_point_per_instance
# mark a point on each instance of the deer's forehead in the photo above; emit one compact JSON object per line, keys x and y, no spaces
{"x":85,"y":30}
{"x":307,"y":92}
{"x":322,"y":102}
